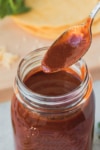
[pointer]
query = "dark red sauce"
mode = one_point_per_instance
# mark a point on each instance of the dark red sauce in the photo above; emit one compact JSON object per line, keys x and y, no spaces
{"x":55,"y":84}
{"x":68,"y":48}
{"x":46,"y":131}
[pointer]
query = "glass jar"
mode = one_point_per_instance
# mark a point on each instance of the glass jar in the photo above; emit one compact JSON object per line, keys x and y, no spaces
{"x":44,"y":122}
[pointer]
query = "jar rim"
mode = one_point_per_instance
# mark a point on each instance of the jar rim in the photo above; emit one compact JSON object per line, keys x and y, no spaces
{"x":49,"y":100}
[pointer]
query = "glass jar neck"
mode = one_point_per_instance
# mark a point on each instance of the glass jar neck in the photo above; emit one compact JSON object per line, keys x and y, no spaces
{"x":66,"y":101}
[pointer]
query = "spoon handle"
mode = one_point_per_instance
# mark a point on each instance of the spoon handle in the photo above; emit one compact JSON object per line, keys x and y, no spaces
{"x":95,"y":10}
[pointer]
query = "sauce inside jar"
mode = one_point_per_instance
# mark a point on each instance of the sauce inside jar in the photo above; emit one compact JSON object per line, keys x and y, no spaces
{"x":55,"y":84}
{"x":53,"y":131}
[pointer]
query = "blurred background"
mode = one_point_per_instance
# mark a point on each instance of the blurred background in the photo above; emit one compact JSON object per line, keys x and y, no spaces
{"x":29,"y":24}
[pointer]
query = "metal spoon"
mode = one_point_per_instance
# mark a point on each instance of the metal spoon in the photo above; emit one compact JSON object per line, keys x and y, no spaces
{"x":70,"y":46}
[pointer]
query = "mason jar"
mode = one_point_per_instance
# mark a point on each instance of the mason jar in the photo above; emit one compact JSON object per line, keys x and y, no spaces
{"x":52,"y":111}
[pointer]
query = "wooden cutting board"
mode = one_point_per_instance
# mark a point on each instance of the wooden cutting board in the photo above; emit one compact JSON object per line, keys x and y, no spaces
{"x":21,"y":42}
{"x":17,"y":41}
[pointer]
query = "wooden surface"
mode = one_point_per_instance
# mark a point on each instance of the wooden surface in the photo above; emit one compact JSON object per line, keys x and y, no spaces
{"x":19,"y":41}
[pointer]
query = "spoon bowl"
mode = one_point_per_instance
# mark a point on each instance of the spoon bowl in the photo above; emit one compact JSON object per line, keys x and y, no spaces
{"x":70,"y":46}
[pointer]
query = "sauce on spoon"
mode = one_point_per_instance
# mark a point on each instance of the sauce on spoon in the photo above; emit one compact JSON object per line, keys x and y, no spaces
{"x":70,"y":46}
